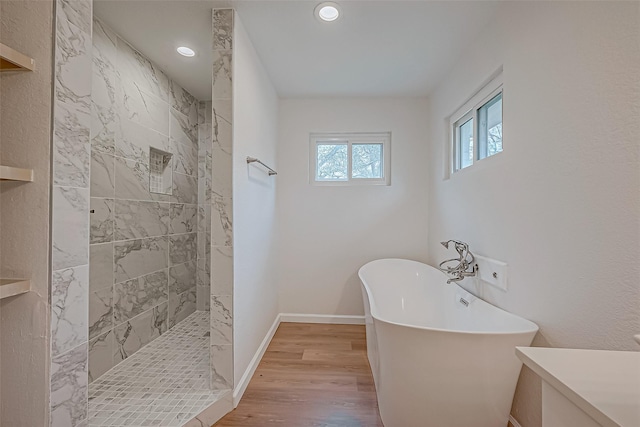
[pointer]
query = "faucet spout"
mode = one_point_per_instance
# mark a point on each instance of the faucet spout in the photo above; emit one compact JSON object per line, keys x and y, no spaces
{"x":458,"y":268}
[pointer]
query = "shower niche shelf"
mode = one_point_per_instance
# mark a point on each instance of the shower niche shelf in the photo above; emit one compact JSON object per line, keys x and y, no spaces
{"x":160,"y":171}
{"x":12,"y":60}
{"x":9,"y":173}
{"x":12,"y":287}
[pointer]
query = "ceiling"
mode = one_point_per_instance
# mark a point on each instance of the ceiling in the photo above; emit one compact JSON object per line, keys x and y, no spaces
{"x":376,"y":48}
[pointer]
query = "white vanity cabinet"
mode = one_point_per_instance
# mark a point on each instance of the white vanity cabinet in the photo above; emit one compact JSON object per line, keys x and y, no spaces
{"x":586,"y":388}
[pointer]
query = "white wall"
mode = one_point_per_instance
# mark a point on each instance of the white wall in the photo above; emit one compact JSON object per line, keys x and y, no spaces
{"x":327,"y":233}
{"x":561,"y":204}
{"x":255,"y":121}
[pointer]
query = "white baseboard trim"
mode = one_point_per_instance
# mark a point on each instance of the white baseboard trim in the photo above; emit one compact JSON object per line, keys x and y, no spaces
{"x":255,"y":361}
{"x":514,"y":421}
{"x":337,"y":319}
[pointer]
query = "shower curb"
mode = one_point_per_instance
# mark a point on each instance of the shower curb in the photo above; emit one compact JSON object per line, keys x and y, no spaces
{"x":213,"y":413}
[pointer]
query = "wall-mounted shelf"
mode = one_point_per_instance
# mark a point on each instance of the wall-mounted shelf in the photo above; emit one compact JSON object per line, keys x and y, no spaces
{"x":12,"y":60}
{"x":9,"y":173}
{"x":11,"y":287}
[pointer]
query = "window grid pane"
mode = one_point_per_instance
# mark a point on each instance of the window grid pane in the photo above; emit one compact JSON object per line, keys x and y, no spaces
{"x":366,"y":161}
{"x":465,"y":144}
{"x":332,"y":162}
{"x":490,"y":127}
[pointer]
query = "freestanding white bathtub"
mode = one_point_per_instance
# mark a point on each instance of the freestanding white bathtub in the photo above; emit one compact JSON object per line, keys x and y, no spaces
{"x":440,"y":357}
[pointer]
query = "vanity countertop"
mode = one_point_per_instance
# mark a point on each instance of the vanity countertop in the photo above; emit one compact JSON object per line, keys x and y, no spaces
{"x":604,"y":384}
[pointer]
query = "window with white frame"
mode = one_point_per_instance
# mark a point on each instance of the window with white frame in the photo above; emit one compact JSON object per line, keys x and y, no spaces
{"x":350,"y":158}
{"x":476,"y":128}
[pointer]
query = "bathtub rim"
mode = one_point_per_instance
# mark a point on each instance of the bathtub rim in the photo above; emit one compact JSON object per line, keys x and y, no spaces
{"x":534,"y":328}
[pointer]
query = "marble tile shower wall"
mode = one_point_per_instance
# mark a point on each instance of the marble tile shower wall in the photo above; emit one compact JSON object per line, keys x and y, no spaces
{"x":143,"y":255}
{"x":221,"y":203}
{"x":205,"y":148}
{"x":70,"y":213}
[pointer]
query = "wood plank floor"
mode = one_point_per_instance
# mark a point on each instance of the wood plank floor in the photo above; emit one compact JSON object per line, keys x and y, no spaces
{"x":312,"y":375}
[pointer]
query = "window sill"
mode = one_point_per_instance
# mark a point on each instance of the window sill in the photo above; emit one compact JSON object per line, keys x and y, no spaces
{"x":478,"y":166}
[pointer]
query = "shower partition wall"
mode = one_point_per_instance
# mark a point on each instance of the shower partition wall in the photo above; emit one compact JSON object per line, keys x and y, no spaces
{"x":71,"y":153}
{"x":204,"y":206}
{"x":222,"y":202}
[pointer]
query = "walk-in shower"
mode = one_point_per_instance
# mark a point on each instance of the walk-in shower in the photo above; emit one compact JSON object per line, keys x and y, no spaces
{"x":151,"y":190}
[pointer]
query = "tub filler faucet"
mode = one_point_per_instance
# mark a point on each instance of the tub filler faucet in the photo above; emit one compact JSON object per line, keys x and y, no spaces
{"x":458,"y":268}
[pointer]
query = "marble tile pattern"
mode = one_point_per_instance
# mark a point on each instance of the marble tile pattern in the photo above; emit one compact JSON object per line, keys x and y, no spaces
{"x":205,"y":146}
{"x":182,"y":248}
{"x":141,"y":107}
{"x":135,"y":140}
{"x":72,"y":111}
{"x":183,"y":218}
{"x":184,"y":128}
{"x":186,"y":158}
{"x":182,"y":277}
{"x":70,"y":224}
{"x":137,"y":219}
{"x":139,"y":331}
{"x":132,"y":394}
{"x":182,"y":101}
{"x":100,"y":311}
{"x":221,"y":366}
{"x":203,"y":284}
{"x":136,"y":296}
{"x":222,"y":147}
{"x":221,"y":319}
{"x":69,"y":391}
{"x":143,"y":256}
{"x":204,"y":238}
{"x":101,"y":220}
{"x":69,"y":293}
{"x":222,"y":221}
{"x":222,"y":260}
{"x":135,"y":258}
{"x":104,"y":118}
{"x":220,"y":203}
{"x":101,"y":355}
{"x":141,"y":71}
{"x":72,"y":90}
{"x":181,"y":306}
{"x":222,"y":73}
{"x":223,"y":29}
{"x":101,"y":266}
{"x":185,"y":188}
{"x":102,"y":174}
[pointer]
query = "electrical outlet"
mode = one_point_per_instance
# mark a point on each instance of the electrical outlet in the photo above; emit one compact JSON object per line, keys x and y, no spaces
{"x":492,"y":271}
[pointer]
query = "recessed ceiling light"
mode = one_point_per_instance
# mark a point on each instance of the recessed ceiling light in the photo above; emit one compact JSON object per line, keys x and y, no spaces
{"x":327,"y":11}
{"x":185,"y":51}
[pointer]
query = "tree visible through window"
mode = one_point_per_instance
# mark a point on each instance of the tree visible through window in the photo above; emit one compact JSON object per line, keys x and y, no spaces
{"x":490,"y":131}
{"x":350,"y":158}
{"x":367,"y":161}
{"x":476,"y":127}
{"x":332,"y":162}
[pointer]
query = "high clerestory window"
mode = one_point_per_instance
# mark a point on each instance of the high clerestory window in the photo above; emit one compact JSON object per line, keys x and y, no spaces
{"x":350,"y":158}
{"x":476,"y":128}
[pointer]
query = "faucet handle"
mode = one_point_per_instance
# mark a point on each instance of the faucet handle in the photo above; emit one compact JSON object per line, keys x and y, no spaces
{"x":465,"y":260}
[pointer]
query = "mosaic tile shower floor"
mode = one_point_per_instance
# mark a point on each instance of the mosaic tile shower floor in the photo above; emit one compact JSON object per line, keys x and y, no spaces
{"x":163,"y":384}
